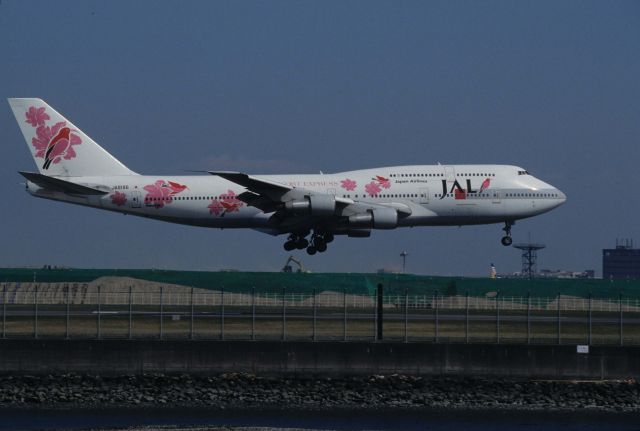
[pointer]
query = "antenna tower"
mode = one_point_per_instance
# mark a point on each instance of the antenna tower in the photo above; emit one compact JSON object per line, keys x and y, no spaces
{"x":529,"y":258}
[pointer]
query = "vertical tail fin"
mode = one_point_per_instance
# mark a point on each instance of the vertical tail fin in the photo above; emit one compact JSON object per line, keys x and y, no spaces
{"x":58,"y":147}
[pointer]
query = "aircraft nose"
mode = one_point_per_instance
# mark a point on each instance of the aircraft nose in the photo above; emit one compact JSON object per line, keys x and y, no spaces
{"x":561,"y":197}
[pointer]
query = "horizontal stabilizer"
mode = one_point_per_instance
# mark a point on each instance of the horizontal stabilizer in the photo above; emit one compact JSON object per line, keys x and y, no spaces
{"x":59,"y":185}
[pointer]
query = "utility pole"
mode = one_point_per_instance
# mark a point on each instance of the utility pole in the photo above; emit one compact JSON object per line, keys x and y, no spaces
{"x":404,"y":255}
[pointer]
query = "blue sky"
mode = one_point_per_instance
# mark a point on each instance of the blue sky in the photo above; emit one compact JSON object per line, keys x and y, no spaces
{"x":300,"y":86}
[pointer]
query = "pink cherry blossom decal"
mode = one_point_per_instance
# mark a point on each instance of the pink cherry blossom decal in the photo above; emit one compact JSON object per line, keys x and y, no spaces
{"x":158,"y":194}
{"x":118,"y":198}
{"x":348,"y":184}
{"x":52,"y":143}
{"x":372,"y":188}
{"x":225,"y":203}
{"x":215,"y":207}
{"x":161,"y":193}
{"x":36,"y":116}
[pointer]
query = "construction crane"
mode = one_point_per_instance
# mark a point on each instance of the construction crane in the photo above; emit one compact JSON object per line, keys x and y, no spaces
{"x":288,"y":268}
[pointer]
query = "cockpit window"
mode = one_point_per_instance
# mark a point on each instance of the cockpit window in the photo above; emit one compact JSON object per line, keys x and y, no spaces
{"x":523,"y":173}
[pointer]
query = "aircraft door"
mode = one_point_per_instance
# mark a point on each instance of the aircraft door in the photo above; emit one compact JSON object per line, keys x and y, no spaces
{"x":496,"y":196}
{"x":136,"y":199}
{"x":423,"y":195}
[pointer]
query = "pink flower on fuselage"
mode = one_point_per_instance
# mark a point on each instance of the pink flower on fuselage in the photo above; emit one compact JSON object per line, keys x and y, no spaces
{"x":158,"y":194}
{"x":215,"y":207}
{"x":36,"y":116}
{"x":372,"y":188}
{"x":230,"y":202}
{"x":348,"y":184}
{"x":225,"y":203}
{"x":118,"y":198}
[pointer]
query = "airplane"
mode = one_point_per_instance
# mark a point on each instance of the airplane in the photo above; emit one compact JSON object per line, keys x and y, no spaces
{"x":310,"y":209}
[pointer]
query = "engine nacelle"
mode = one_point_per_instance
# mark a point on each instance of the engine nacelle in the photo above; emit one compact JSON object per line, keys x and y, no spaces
{"x":316,"y":205}
{"x":377,"y":218}
{"x":322,"y":205}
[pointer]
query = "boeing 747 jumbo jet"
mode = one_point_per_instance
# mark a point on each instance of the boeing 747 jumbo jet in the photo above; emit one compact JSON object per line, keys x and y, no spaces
{"x":310,"y":209}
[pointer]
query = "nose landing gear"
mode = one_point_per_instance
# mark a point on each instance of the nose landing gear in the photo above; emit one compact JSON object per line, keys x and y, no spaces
{"x":506,"y":240}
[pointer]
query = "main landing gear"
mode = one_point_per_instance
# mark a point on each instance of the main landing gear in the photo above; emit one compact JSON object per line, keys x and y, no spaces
{"x":318,"y":243}
{"x":296,"y":241}
{"x":506,"y":240}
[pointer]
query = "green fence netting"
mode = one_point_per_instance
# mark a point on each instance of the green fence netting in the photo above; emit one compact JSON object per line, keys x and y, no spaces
{"x":350,"y":282}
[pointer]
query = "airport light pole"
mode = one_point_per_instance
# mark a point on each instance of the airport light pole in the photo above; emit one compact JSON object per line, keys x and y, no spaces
{"x":404,"y":255}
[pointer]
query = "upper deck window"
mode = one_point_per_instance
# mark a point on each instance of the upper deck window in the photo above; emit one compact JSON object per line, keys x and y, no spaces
{"x":523,"y":173}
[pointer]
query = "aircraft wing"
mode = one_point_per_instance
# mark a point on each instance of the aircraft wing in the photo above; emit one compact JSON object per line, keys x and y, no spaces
{"x":296,"y":208}
{"x":262,"y":194}
{"x":59,"y":185}
{"x":256,"y":185}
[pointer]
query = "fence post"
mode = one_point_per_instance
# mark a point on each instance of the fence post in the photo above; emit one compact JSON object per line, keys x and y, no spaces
{"x":498,"y":317}
{"x":253,"y":313}
{"x":222,"y":313}
{"x":436,"y":317}
{"x":620,"y":308}
{"x":35,"y":312}
{"x":161,"y":312}
{"x":466,"y":319}
{"x":130,"y":312}
{"x":528,"y":317}
{"x":559,"y":324}
{"x":99,"y":334}
{"x":192,"y":310}
{"x":344,"y":322}
{"x":4,"y":311}
{"x":284,"y":316}
{"x":590,"y":321}
{"x":380,"y":313}
{"x":315,"y":313}
{"x":406,"y":315}
{"x":66,"y":326}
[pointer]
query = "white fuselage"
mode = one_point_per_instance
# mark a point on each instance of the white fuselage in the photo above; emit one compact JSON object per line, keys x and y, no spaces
{"x":433,"y":194}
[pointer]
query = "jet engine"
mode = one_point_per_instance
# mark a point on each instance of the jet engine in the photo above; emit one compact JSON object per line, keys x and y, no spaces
{"x":377,"y":218}
{"x":315,"y":205}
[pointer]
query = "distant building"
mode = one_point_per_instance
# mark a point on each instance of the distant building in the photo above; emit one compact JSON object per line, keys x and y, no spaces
{"x":622,"y":262}
{"x":559,"y":273}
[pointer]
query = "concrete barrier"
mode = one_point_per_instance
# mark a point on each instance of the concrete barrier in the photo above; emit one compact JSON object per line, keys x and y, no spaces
{"x":321,"y":358}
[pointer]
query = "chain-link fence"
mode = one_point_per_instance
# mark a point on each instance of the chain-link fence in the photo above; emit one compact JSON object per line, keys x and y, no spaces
{"x":83,"y":310}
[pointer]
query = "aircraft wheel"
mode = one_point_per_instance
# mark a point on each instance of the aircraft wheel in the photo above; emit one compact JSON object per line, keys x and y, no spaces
{"x":321,"y":246}
{"x":302,"y":243}
{"x":311,"y":250}
{"x":289,"y":245}
{"x":328,"y":237}
{"x":506,"y":241}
